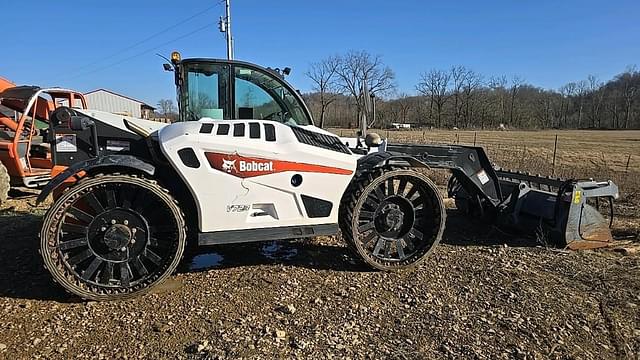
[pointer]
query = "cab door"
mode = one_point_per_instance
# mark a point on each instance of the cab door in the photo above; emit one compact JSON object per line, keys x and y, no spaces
{"x":257,"y":155}
{"x":205,"y":92}
{"x":261,"y":95}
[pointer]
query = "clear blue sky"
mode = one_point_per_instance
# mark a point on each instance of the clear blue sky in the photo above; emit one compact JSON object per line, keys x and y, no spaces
{"x":79,"y":43}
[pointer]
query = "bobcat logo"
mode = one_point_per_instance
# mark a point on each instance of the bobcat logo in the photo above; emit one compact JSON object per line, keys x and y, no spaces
{"x":229,"y":165}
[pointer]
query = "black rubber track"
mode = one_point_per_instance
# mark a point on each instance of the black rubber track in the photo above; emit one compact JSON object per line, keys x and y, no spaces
{"x":89,"y":273}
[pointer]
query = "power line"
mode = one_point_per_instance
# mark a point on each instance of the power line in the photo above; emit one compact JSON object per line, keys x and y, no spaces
{"x":153,"y":36}
{"x":140,"y":53}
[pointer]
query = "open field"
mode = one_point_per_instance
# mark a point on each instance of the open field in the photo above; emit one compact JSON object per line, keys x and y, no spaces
{"x":577,"y":149}
{"x":482,"y":294}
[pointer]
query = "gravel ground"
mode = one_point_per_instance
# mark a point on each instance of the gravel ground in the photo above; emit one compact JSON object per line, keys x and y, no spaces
{"x":475,"y":297}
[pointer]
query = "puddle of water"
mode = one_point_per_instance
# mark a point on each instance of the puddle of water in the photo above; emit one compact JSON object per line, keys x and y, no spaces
{"x":276,"y":251}
{"x":206,"y":261}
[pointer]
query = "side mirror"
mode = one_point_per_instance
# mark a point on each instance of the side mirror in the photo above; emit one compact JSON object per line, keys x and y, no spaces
{"x":167,"y":67}
{"x":80,"y":123}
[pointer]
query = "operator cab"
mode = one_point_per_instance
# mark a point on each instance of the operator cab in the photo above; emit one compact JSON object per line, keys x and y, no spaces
{"x":235,"y":90}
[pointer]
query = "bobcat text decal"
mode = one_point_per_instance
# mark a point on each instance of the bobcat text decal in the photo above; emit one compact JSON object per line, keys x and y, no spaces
{"x":245,"y":167}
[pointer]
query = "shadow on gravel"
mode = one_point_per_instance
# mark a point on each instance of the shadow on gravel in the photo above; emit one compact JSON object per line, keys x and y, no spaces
{"x":464,"y":231}
{"x":22,"y":273}
{"x":19,"y":194}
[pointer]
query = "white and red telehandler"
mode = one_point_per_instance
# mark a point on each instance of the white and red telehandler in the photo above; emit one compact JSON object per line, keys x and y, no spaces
{"x":245,"y":163}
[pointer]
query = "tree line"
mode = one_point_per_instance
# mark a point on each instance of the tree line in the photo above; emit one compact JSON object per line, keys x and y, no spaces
{"x":462,"y":98}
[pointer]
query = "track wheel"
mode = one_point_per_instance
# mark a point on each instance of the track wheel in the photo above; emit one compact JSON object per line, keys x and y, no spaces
{"x":112,"y":237}
{"x":393,"y":219}
{"x":5,"y":183}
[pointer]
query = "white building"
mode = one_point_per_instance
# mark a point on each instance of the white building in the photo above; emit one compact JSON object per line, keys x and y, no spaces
{"x":105,"y":100}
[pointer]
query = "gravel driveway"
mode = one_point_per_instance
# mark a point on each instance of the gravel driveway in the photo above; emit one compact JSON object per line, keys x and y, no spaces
{"x":479,"y":295}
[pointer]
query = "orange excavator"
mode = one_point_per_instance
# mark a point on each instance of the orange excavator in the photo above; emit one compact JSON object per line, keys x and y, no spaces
{"x":25,"y":154}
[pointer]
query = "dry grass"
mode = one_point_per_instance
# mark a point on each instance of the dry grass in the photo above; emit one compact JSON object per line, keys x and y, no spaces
{"x":576,"y":148}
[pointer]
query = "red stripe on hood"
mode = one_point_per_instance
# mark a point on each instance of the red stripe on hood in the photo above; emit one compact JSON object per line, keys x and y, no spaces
{"x":244,"y":167}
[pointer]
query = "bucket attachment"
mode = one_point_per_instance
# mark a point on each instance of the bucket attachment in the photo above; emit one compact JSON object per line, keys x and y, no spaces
{"x":565,"y":210}
{"x":562,"y":212}
{"x":585,"y":227}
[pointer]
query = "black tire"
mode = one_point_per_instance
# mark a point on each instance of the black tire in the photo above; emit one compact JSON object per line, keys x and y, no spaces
{"x":113,"y":237}
{"x":5,"y":183}
{"x":392,"y":219}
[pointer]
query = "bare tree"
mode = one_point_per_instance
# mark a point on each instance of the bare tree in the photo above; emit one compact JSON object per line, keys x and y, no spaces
{"x":323,"y":75}
{"x":630,"y":91}
{"x":516,"y":83}
{"x":582,"y":91}
{"x":459,"y":97}
{"x":359,"y":67}
{"x":405,"y":106}
{"x":390,"y":113}
{"x":472,"y":83}
{"x":566,"y":91}
{"x":435,"y":85}
{"x":596,"y":96}
{"x":166,"y":107}
{"x":498,"y":84}
{"x":458,"y":77}
{"x":612,"y":105}
{"x":485,"y":102}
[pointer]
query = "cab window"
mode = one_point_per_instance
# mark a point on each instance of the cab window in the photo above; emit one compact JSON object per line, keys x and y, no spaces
{"x":206,"y":94}
{"x":261,"y":96}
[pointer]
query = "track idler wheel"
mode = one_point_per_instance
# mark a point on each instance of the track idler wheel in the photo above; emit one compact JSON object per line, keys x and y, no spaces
{"x":112,"y":237}
{"x":392,"y":219}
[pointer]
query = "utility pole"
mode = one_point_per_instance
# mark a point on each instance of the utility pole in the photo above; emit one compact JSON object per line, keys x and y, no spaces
{"x":225,"y":27}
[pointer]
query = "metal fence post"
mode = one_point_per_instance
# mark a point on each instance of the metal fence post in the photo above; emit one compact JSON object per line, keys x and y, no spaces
{"x":628,"y":161}
{"x":555,"y":148}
